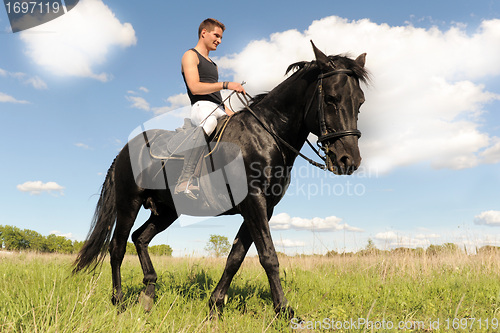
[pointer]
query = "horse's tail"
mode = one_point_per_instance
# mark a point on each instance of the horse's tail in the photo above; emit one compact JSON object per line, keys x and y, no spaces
{"x":97,"y":243}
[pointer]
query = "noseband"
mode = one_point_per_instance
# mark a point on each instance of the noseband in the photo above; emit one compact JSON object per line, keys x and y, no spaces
{"x":325,"y":135}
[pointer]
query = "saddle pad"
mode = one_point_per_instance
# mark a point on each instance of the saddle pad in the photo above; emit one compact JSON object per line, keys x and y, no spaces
{"x":166,"y":144}
{"x":173,"y":144}
{"x":158,"y":147}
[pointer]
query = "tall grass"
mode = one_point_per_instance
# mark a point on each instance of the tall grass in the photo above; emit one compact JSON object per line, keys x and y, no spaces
{"x":38,"y":294}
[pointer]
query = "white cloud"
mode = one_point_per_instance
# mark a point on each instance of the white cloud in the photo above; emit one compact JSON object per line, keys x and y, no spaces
{"x":176,"y":102}
{"x":138,"y":102}
{"x":82,"y":145}
{"x":73,"y":44}
{"x":427,"y":236}
{"x":490,"y":218}
{"x":426,"y":101}
{"x":37,"y":187}
{"x":4,"y":98}
{"x":283,"y":221}
{"x":35,"y":81}
{"x":492,"y":154}
{"x":289,"y":243}
{"x":280,"y":222}
{"x":68,"y":235}
{"x":178,"y":105}
{"x":387,"y":235}
{"x":393,"y":239}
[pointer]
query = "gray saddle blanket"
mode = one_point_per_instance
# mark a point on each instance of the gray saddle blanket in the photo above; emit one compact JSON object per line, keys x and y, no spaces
{"x":157,"y":161}
{"x":174,"y":144}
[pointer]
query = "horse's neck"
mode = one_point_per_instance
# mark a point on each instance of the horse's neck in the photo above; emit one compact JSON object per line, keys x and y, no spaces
{"x":284,"y":108}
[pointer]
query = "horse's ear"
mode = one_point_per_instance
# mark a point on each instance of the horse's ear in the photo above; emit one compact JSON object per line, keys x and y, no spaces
{"x":360,"y":60}
{"x":321,"y":58}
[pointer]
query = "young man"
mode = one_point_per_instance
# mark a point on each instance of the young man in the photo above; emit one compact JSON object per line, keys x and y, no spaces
{"x":201,"y":77}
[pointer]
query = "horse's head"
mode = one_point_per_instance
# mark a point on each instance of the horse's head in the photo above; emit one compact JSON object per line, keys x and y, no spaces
{"x":333,"y":114}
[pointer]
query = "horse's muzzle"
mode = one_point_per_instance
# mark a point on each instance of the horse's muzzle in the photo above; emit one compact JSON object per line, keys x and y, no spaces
{"x":341,"y":165}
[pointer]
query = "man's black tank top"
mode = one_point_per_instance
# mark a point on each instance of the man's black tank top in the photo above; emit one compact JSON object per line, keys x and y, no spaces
{"x":208,"y":72}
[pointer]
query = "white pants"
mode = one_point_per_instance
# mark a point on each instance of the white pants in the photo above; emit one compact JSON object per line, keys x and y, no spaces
{"x":205,"y":114}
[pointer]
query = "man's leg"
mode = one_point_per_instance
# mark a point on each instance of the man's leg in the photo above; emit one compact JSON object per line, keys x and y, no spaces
{"x":204,"y":115}
{"x":187,"y":184}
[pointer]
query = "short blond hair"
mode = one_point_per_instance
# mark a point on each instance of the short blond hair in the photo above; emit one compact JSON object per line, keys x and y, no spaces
{"x":209,"y":24}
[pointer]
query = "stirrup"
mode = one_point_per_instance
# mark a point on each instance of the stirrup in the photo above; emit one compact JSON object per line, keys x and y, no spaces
{"x":188,"y":190}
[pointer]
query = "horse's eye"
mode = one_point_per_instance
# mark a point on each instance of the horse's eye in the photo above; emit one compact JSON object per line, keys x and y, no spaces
{"x":330,"y":100}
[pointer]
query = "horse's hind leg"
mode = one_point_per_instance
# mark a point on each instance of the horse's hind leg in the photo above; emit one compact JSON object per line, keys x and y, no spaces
{"x":241,"y":244}
{"x":124,"y":222}
{"x":141,"y":238}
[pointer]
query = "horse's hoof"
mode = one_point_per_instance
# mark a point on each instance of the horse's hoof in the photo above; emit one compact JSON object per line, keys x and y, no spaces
{"x":286,"y":312}
{"x":118,"y":302}
{"x":146,"y":301}
{"x":215,"y":308}
{"x":215,"y":313}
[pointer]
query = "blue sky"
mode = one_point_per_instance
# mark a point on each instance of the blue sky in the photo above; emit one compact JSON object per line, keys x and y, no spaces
{"x":72,"y":90}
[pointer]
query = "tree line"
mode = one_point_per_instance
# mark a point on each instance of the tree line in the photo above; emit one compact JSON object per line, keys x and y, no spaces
{"x":15,"y":239}
{"x":431,"y":250}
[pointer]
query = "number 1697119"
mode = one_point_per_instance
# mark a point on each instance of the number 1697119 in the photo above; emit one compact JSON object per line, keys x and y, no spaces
{"x":32,"y":7}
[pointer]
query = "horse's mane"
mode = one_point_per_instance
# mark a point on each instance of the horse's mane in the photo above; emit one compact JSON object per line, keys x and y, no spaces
{"x":257,"y":98}
{"x":359,"y":71}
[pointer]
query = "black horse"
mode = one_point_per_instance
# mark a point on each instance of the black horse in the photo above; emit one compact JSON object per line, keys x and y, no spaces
{"x":322,"y":97}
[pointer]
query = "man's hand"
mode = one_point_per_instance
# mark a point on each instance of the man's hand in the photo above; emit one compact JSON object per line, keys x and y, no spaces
{"x":236,"y":87}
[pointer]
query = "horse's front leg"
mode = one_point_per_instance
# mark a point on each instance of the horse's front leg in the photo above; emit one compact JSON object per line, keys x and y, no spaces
{"x":240,"y":247}
{"x":254,"y":209}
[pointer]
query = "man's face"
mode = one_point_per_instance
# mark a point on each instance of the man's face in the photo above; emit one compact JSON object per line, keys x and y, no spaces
{"x":212,"y":38}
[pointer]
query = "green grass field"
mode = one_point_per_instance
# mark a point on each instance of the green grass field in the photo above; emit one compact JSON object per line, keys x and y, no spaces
{"x":391,"y":292}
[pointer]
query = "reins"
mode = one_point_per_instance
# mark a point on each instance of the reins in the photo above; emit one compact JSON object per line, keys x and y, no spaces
{"x":276,"y":137}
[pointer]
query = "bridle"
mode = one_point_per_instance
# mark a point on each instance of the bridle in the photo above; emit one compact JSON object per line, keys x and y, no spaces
{"x":325,"y":135}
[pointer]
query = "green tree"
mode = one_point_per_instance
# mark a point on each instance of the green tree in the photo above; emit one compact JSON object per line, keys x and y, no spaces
{"x":370,"y":245}
{"x":446,"y":248}
{"x":13,"y":238}
{"x":57,"y":244}
{"x":1,"y":236}
{"x":33,"y":240}
{"x":488,"y":249}
{"x":369,"y":249}
{"x":332,"y":253}
{"x":77,"y":246}
{"x":131,"y":248}
{"x":161,"y":250}
{"x":218,"y":245}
